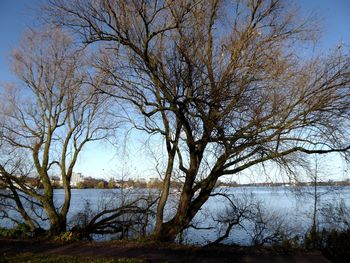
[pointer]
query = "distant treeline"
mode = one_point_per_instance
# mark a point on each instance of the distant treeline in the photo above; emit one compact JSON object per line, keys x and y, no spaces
{"x":90,"y":182}
{"x":97,"y":183}
{"x":325,"y":183}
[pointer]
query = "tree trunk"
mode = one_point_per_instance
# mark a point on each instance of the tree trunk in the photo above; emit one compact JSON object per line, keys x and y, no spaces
{"x":58,"y":226}
{"x":27,"y":220}
{"x":314,"y":219}
{"x":186,"y":211}
{"x":58,"y":223}
{"x":167,"y":232}
{"x":165,"y":193}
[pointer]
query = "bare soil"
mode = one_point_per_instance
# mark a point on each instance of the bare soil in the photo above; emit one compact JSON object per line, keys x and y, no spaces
{"x":155,"y":252}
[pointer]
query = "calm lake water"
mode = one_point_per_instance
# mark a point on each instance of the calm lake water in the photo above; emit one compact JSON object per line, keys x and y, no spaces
{"x":294,"y":209}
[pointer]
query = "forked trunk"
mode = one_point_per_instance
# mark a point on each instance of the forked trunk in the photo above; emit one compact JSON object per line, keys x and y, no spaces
{"x":57,"y":227}
{"x":58,"y":223}
{"x":167,"y":232}
{"x":187,"y":209}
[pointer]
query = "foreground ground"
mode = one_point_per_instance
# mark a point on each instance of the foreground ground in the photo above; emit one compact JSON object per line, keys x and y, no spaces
{"x":46,"y":251}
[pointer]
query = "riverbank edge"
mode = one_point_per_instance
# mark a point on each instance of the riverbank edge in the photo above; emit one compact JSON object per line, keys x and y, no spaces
{"x":157,"y":252}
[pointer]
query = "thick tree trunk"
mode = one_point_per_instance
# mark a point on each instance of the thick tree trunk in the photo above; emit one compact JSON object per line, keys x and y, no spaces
{"x":58,"y":223}
{"x":58,"y":226}
{"x":167,"y":232}
{"x":67,"y":198}
{"x":165,"y":193}
{"x":187,"y":209}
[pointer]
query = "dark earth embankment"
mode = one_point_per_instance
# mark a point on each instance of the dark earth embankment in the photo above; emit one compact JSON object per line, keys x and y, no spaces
{"x":152,"y":252}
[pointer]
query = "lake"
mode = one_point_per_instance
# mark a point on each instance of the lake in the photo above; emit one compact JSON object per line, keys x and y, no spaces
{"x":281,"y":203}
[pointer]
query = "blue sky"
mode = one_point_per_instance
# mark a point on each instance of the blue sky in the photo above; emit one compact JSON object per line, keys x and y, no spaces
{"x":15,"y":15}
{"x":98,"y":161}
{"x":334,"y":16}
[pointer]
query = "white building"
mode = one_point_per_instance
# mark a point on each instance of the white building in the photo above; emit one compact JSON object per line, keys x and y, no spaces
{"x":76,"y":178}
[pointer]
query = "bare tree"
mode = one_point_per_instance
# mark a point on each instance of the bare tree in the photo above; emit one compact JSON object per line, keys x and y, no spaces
{"x":238,"y":211}
{"x":46,"y":121}
{"x":245,"y":212}
{"x":335,"y":215}
{"x":118,"y":213}
{"x":316,"y":195}
{"x":315,"y":191}
{"x":269,"y":227}
{"x":221,"y":81}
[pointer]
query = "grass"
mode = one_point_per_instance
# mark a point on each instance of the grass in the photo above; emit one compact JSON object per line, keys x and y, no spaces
{"x":35,"y":258}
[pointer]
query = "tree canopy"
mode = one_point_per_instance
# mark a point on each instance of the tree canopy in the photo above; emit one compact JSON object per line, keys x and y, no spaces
{"x":223,"y":82}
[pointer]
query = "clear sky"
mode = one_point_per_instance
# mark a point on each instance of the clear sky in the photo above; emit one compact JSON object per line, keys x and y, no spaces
{"x":334,"y":16}
{"x":99,"y":160}
{"x":15,"y":16}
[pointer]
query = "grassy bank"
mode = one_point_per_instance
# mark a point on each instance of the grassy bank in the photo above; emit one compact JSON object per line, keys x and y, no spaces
{"x":36,"y":258}
{"x":14,"y":250}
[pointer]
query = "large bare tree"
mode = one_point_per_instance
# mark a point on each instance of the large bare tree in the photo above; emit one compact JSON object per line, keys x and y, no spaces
{"x":223,"y":82}
{"x":45,"y":122}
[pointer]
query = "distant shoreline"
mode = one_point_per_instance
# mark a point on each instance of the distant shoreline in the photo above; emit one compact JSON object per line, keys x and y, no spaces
{"x":227,"y":185}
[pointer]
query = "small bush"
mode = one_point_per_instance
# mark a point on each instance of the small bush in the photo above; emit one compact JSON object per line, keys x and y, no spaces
{"x":337,"y":245}
{"x":20,"y":231}
{"x":334,"y":244}
{"x":66,"y":237}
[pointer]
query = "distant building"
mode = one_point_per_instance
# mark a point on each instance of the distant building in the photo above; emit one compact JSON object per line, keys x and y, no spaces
{"x":76,"y":179}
